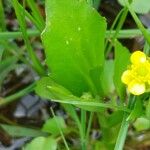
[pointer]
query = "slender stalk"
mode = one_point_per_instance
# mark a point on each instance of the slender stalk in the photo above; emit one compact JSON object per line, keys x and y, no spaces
{"x":13,"y":35}
{"x":92,"y":104}
{"x":2,"y":17}
{"x":89,"y":126}
{"x":36,"y":13}
{"x":112,"y":27}
{"x":138,"y":23}
{"x":62,"y":135}
{"x":83,"y":123}
{"x":122,"y":34}
{"x":14,"y":97}
{"x":124,"y":127}
{"x":37,"y":66}
{"x":119,"y":26}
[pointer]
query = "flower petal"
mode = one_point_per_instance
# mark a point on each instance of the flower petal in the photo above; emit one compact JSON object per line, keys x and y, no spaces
{"x":138,"y":57}
{"x":126,"y":77}
{"x":136,"y":88}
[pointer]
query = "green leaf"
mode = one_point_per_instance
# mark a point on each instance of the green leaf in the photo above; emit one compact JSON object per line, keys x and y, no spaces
{"x":139,"y":6}
{"x":42,"y":143}
{"x":115,"y":118}
{"x":74,"y":44}
{"x":48,"y":89}
{"x":18,"y":131}
{"x":137,"y":110}
{"x":148,"y":109}
{"x":59,"y":94}
{"x":142,"y":124}
{"x":51,"y":125}
{"x":122,"y":59}
{"x":107,"y":77}
{"x":1,"y":52}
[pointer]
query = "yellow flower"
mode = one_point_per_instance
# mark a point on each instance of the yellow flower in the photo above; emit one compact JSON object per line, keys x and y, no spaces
{"x":137,"y":77}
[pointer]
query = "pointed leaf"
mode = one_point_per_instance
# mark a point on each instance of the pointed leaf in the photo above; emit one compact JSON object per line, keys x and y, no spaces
{"x":42,"y":143}
{"x":122,"y":59}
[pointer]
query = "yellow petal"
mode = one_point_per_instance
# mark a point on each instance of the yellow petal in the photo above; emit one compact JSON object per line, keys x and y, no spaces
{"x":126,"y":77}
{"x":138,"y":57}
{"x":136,"y":88}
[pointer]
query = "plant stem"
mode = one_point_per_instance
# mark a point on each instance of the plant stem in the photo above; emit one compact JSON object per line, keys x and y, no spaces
{"x":60,"y":130}
{"x":83,"y":123}
{"x":122,"y":34}
{"x":138,"y":23}
{"x":124,"y":127}
{"x":12,"y":35}
{"x":36,"y":64}
{"x":89,"y":126}
{"x":112,"y":27}
{"x":2,"y":17}
{"x":91,"y":104}
{"x":14,"y":97}
{"x":119,"y":26}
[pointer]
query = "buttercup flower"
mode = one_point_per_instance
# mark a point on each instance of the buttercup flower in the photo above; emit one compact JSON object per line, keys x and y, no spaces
{"x":137,"y":76}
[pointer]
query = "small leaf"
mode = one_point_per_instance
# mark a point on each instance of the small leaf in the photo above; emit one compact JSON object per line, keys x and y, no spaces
{"x":51,"y":125}
{"x":42,"y":143}
{"x":142,"y":124}
{"x":137,"y":110}
{"x":48,"y":89}
{"x":18,"y":131}
{"x":115,"y":118}
{"x":139,"y":6}
{"x":107,"y":77}
{"x":122,"y":59}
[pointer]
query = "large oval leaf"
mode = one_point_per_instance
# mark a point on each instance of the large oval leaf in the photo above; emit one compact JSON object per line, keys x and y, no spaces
{"x":74,"y":44}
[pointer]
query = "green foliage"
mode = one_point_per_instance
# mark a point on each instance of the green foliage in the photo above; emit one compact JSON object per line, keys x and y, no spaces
{"x":42,"y":143}
{"x":107,"y":77}
{"x":51,"y":125}
{"x":75,"y":54}
{"x":48,"y":89}
{"x":17,"y":131}
{"x":139,"y":6}
{"x":122,"y":58}
{"x":137,"y":110}
{"x":141,"y":124}
{"x":148,"y":109}
{"x":79,"y":74}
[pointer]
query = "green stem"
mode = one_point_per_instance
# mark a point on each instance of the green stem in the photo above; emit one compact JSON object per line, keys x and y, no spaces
{"x":119,"y":26}
{"x":122,"y":34}
{"x":138,"y":23}
{"x":14,"y":97}
{"x":2,"y":17}
{"x":91,"y":104}
{"x":112,"y":27}
{"x":36,"y":64}
{"x":83,"y":123}
{"x":60,"y":130}
{"x":124,"y":127}
{"x":36,"y":13}
{"x":12,"y":35}
{"x":89,"y":126}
